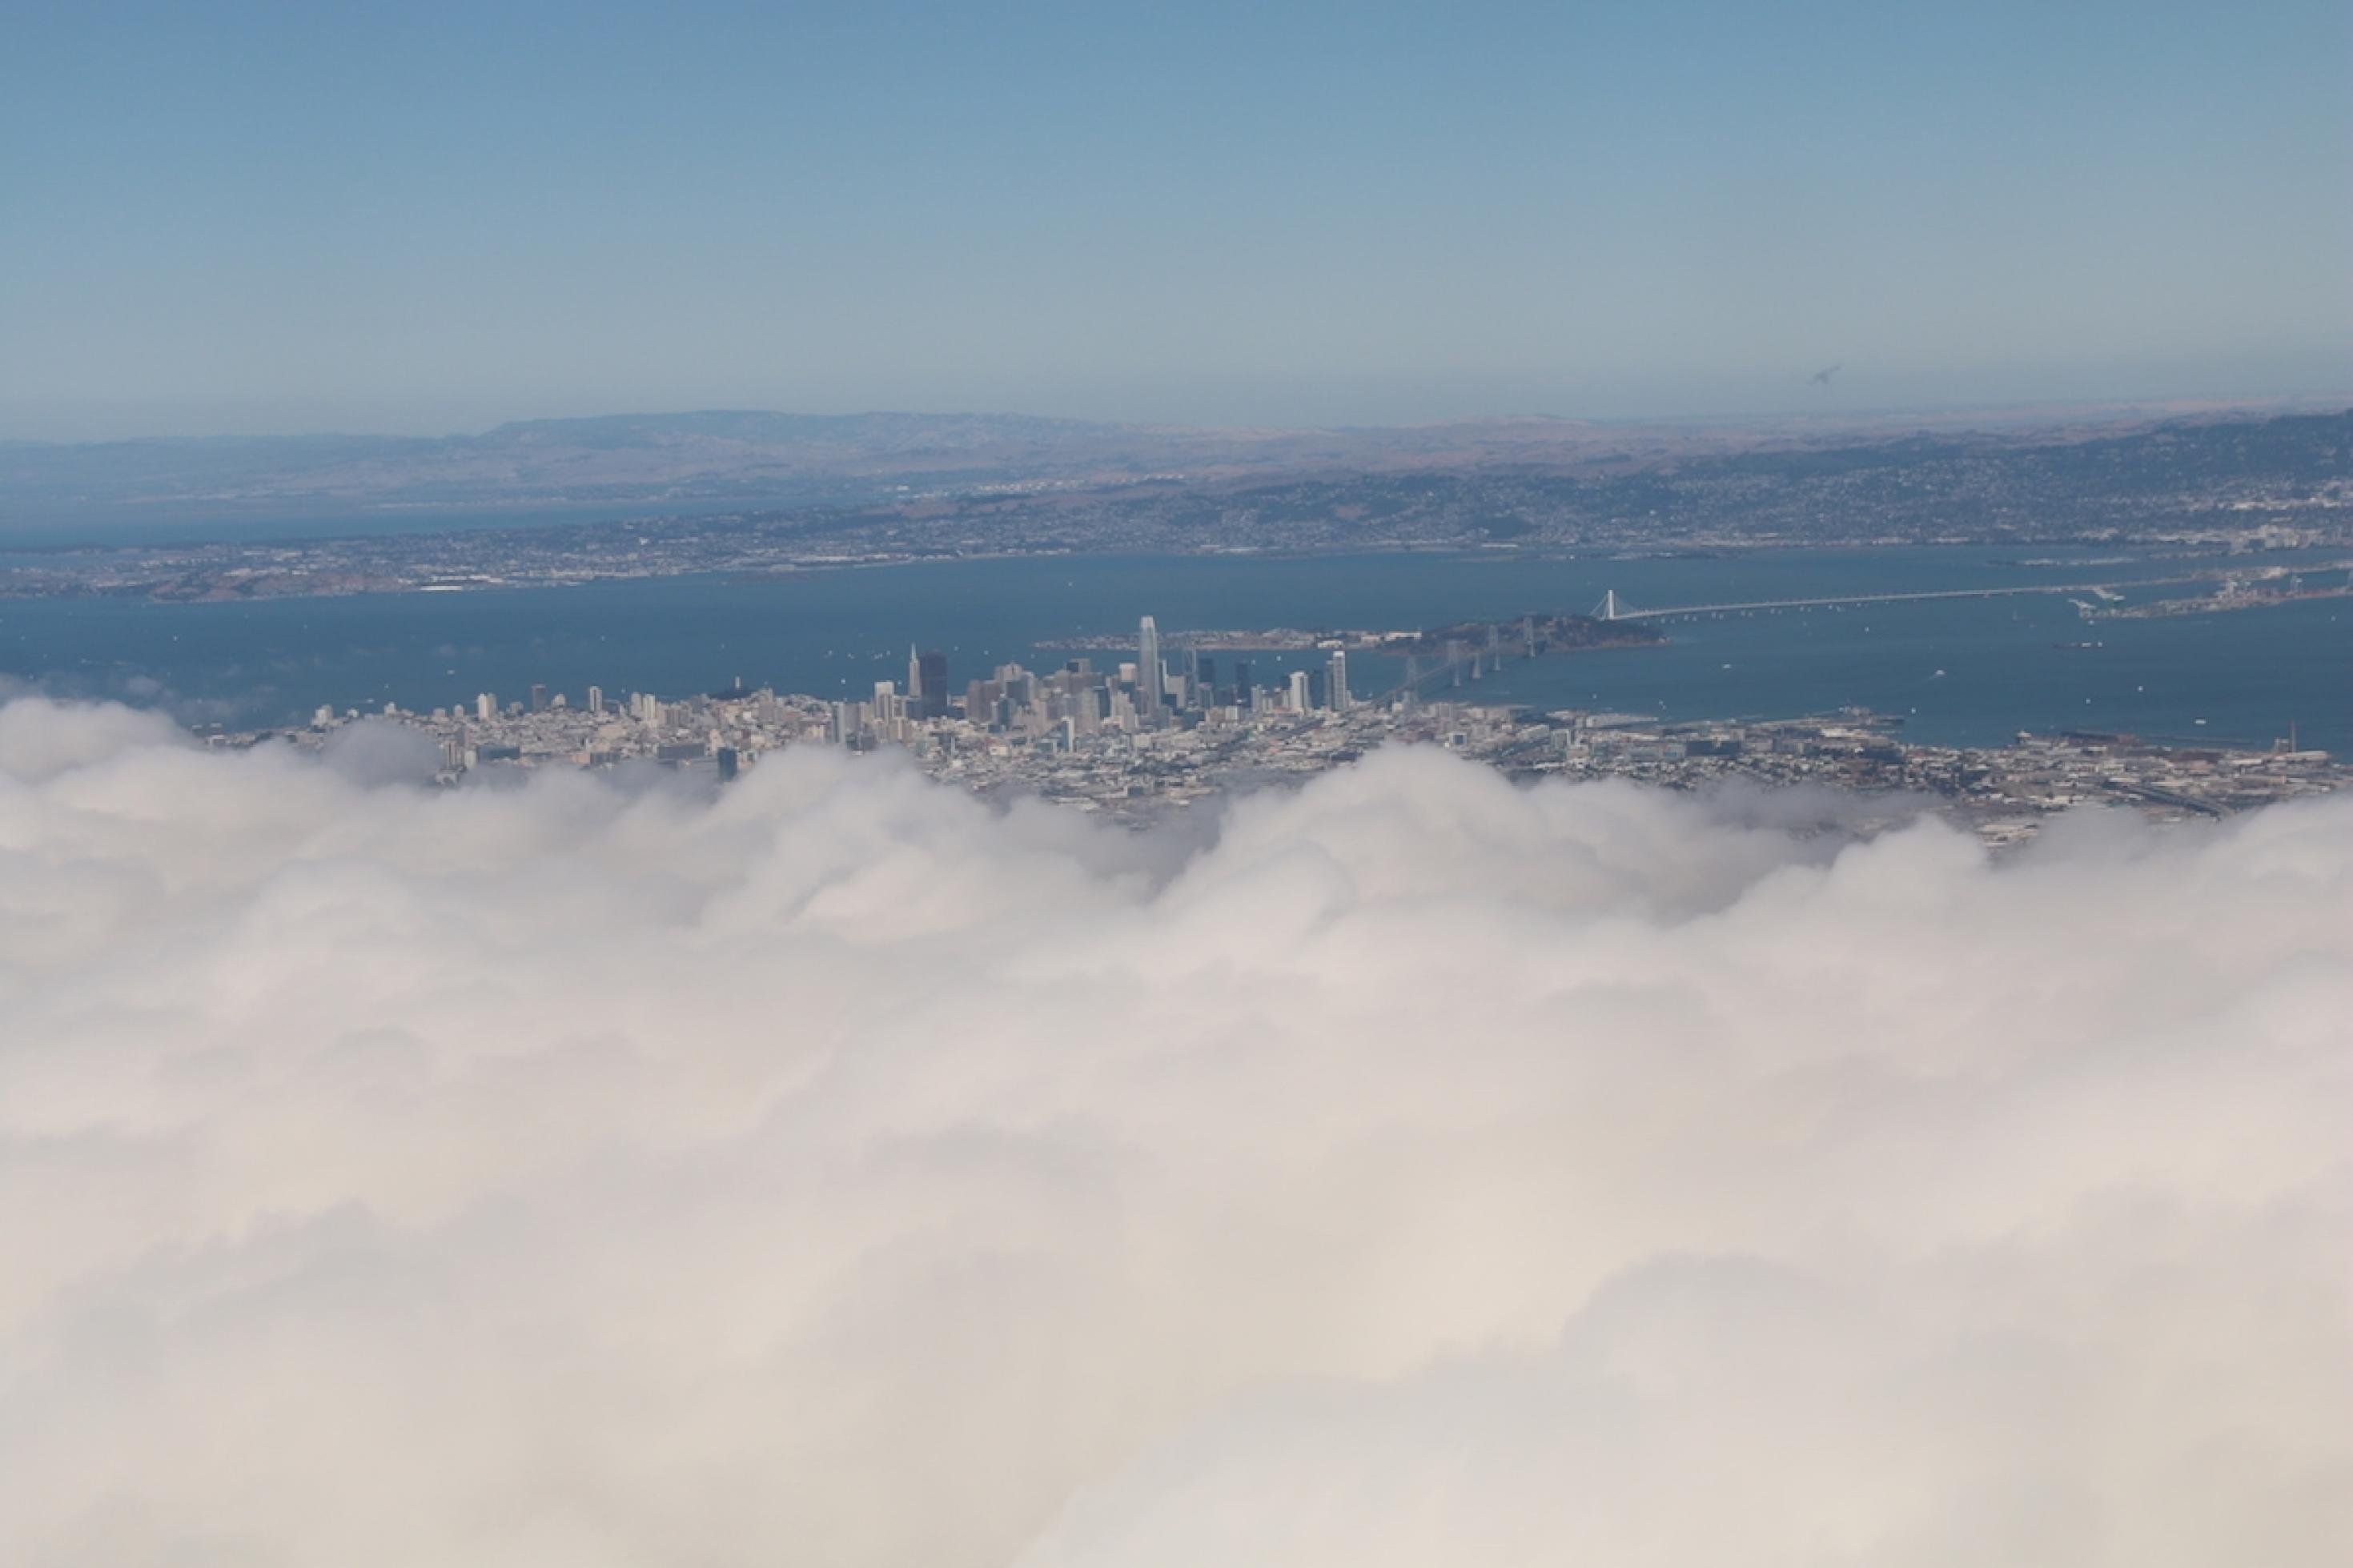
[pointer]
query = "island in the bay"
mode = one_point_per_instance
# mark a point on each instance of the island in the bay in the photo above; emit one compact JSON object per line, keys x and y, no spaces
{"x":1456,"y":642}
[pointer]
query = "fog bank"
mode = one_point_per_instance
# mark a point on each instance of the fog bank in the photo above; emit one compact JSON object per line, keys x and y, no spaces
{"x":1411,"y":1169}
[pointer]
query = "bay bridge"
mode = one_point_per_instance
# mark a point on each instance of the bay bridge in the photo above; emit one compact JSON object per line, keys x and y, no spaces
{"x":1466,"y":658}
{"x":1613,"y":609}
{"x":1462,"y":658}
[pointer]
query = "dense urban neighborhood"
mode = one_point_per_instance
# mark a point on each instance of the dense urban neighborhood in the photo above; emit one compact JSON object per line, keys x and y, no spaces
{"x":1140,"y":738}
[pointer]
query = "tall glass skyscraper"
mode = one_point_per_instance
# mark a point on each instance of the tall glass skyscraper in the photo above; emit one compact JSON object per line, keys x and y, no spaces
{"x":1151,"y":680}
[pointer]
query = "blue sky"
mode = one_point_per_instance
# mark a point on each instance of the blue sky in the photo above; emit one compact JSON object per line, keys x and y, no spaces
{"x":434,"y":216}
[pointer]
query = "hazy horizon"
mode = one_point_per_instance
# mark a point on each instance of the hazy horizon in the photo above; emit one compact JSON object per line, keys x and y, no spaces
{"x":2021,"y":411}
{"x":445,"y":218}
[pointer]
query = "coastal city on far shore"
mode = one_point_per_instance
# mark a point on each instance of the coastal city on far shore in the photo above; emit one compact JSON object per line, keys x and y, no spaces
{"x":1137,"y":739}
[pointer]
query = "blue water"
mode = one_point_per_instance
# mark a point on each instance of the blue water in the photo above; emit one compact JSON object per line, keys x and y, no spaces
{"x":2250,"y":675}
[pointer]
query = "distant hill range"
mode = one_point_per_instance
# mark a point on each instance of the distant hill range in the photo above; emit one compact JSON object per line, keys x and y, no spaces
{"x":763,"y":459}
{"x":747,"y":455}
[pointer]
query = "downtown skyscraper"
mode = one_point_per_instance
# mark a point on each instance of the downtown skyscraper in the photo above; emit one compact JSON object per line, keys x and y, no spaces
{"x":1151,"y":678}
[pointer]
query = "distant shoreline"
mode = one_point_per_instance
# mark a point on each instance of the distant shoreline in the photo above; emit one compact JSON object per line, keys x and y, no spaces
{"x":919,"y":489}
{"x":181,"y":588}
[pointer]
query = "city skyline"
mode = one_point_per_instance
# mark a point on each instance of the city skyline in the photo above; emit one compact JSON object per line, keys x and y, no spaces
{"x":1091,"y":738}
{"x":1145,"y":694}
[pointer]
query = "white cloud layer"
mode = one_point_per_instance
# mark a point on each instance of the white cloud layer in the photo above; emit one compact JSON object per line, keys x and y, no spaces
{"x":1421,"y":1170}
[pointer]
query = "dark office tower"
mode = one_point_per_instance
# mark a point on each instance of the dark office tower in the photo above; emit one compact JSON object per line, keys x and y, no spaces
{"x":1318,"y":692}
{"x":933,"y":670}
{"x":728,"y":763}
{"x":1192,"y":678}
{"x":539,"y":699}
{"x":1206,"y":697}
{"x":1242,"y":694}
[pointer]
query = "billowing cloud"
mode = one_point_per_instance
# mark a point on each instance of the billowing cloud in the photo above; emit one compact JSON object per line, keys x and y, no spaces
{"x":1415,"y":1169}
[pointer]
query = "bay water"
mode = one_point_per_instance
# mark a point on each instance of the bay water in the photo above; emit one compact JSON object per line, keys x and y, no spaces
{"x":1960,"y":671}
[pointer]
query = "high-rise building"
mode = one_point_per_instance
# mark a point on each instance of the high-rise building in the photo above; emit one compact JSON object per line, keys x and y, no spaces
{"x":914,"y":675}
{"x":1150,"y":677}
{"x":1244,"y":697}
{"x":1299,"y":695}
{"x":486,"y":707}
{"x":1335,"y":681}
{"x":932,"y":684}
{"x":538,"y":698}
{"x":597,"y":701}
